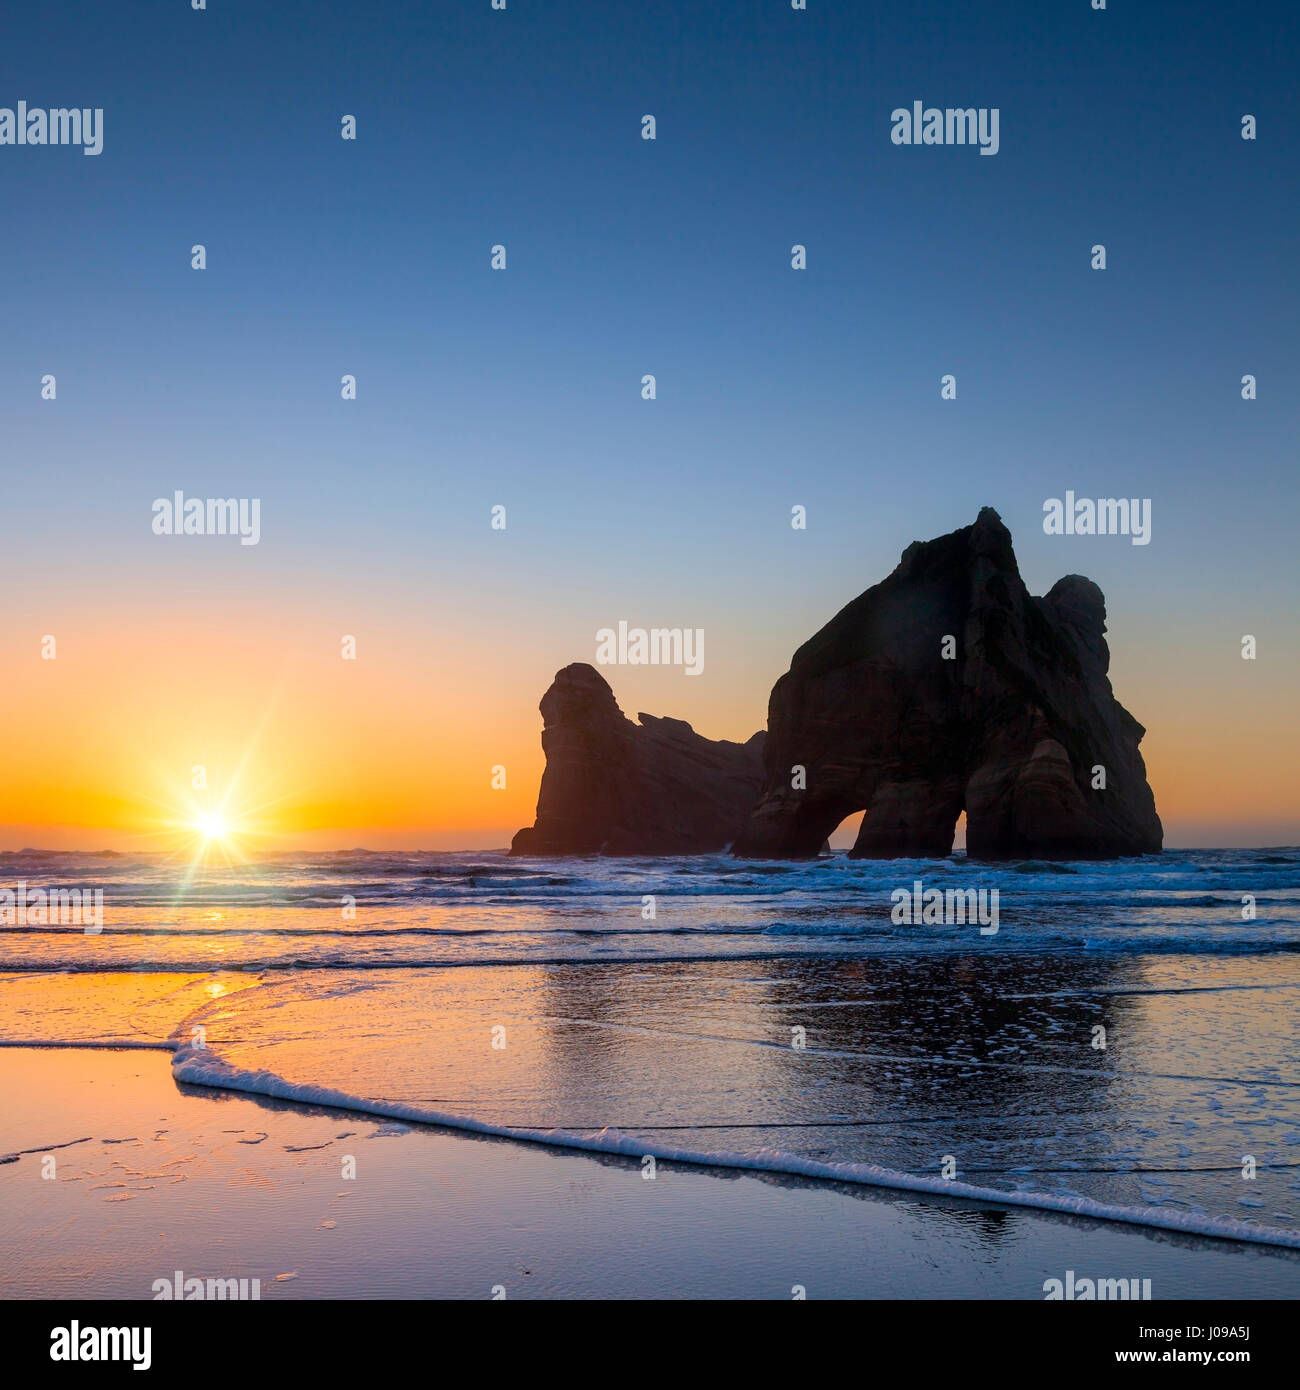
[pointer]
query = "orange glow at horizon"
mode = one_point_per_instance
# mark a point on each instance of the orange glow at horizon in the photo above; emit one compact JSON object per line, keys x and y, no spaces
{"x":128,"y":747}
{"x":301,"y":749}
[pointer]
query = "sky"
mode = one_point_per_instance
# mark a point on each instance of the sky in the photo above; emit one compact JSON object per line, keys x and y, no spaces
{"x":522,"y":387}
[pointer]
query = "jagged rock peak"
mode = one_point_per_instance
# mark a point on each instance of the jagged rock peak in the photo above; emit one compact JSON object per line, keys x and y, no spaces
{"x":612,"y":786}
{"x":948,"y":687}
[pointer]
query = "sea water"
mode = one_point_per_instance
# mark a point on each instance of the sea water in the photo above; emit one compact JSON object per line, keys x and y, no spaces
{"x":1124,"y":1046}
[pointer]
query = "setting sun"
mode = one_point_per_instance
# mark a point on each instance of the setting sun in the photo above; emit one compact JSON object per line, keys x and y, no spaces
{"x":212,"y":826}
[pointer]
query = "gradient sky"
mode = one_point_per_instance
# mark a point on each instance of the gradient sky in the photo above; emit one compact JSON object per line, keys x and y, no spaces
{"x":522,"y":387}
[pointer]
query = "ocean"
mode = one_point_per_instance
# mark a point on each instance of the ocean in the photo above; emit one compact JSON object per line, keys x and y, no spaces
{"x":1123,"y":1047}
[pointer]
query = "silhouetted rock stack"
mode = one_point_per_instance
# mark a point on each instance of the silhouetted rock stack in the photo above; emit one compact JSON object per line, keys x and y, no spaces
{"x":615,"y":787}
{"x":948,"y":687}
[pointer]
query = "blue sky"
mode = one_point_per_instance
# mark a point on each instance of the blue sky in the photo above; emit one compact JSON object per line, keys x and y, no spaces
{"x":669,"y":257}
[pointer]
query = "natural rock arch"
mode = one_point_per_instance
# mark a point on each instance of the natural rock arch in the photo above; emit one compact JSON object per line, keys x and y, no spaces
{"x":948,"y":687}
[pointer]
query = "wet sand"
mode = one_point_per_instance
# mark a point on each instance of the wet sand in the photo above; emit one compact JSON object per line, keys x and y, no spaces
{"x":149,"y":1177}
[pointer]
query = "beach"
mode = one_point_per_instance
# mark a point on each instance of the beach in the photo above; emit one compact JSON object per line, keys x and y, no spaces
{"x":497,"y":1061}
{"x":158,"y":1178}
{"x":653,"y":655}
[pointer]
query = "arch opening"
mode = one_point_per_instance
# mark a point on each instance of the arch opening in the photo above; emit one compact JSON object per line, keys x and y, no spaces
{"x":845,"y":834}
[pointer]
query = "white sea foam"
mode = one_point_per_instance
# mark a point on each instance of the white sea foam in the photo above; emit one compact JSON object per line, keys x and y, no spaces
{"x":203,"y":1067}
{"x":920,"y":1041}
{"x":419,"y":910}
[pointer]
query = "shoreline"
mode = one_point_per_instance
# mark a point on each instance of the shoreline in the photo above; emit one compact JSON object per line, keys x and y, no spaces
{"x":695,"y":1068}
{"x":197,"y":1067}
{"x":534,"y":1220}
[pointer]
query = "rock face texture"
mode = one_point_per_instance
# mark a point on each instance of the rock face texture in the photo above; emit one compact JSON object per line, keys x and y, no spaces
{"x":949,"y":687}
{"x":615,"y":787}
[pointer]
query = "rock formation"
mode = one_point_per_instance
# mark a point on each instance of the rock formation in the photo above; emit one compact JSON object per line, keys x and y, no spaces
{"x":615,"y":787}
{"x":948,"y":687}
